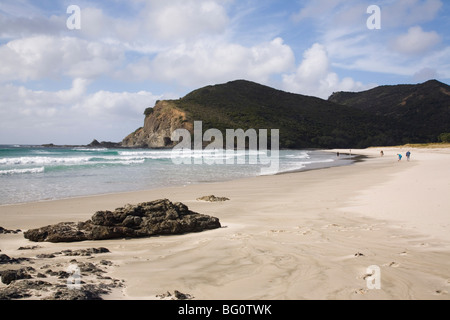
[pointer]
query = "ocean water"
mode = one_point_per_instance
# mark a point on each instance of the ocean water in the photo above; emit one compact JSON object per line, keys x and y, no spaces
{"x":30,"y":173}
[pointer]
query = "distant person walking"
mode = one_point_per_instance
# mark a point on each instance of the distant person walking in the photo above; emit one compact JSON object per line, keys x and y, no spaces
{"x":382,"y":153}
{"x":408,"y":155}
{"x":400,"y":157}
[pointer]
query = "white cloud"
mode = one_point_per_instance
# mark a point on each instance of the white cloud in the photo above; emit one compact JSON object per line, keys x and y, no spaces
{"x":409,"y":12}
{"x":317,"y":9}
{"x":107,"y":104}
{"x":314,"y":76}
{"x":188,"y":44}
{"x":96,"y":25}
{"x":206,"y":62}
{"x":69,"y":116}
{"x":19,"y":8}
{"x":185,"y":19}
{"x":425,"y":74}
{"x":438,"y":60}
{"x":41,"y":56}
{"x":416,"y":41}
{"x":140,"y":70}
{"x":345,"y":13}
{"x":28,"y":59}
{"x":156,"y":23}
{"x":13,"y":27}
{"x":394,"y":50}
{"x":403,"y":55}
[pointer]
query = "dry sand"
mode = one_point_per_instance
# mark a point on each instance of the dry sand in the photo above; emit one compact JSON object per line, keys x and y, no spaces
{"x":308,"y":235}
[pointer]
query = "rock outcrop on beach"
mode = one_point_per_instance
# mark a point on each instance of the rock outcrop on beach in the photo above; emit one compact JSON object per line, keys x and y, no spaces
{"x":6,"y":231}
{"x":4,"y":259}
{"x":9,"y":276}
{"x":160,"y":217}
{"x":213,"y":198}
{"x":49,"y":276}
{"x":176,"y":295}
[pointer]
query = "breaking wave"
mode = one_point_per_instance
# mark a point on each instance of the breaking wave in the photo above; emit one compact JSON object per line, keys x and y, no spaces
{"x":22,"y":171}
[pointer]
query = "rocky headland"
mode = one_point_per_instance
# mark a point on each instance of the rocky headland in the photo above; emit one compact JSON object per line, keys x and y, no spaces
{"x":159,"y":124}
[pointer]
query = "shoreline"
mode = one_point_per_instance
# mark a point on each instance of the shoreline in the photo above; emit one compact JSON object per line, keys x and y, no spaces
{"x":351,"y":161}
{"x":315,"y":166}
{"x":306,"y":235}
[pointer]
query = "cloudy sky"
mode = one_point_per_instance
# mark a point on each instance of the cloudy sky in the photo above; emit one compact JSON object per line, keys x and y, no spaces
{"x":68,"y":86}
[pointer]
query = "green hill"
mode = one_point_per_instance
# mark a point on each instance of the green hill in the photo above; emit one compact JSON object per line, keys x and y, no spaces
{"x":423,"y":109}
{"x":303,"y":121}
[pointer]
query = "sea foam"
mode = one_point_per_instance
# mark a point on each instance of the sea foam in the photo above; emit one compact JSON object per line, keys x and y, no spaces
{"x":22,"y":171}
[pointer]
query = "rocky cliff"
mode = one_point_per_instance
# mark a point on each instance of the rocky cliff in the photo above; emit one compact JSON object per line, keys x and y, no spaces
{"x":159,"y":124}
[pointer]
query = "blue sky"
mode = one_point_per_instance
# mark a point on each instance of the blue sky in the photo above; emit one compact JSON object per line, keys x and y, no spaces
{"x":71,"y":86}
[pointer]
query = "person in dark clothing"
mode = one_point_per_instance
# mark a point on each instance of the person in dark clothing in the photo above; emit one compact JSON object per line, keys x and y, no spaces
{"x":408,"y":155}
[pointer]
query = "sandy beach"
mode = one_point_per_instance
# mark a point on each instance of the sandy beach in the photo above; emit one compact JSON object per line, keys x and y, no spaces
{"x":306,"y":235}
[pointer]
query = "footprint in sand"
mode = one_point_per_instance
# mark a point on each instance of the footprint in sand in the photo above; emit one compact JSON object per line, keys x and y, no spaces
{"x":404,"y":253}
{"x":332,"y":225}
{"x":239,"y":236}
{"x":304,"y":231}
{"x":364,"y":276}
{"x":360,"y":291}
{"x":441,"y":292}
{"x":372,"y":228}
{"x":392,"y":265}
{"x":278,"y":231}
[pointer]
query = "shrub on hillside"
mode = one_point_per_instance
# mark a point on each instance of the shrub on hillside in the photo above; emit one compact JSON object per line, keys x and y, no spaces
{"x":445,"y":137}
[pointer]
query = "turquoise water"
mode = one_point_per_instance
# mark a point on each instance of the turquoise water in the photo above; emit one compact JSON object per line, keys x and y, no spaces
{"x":29,"y":173}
